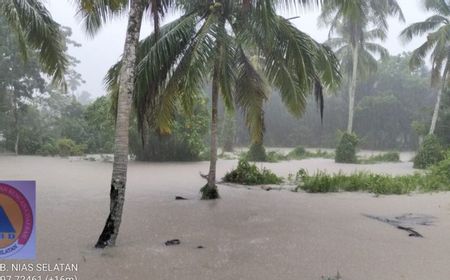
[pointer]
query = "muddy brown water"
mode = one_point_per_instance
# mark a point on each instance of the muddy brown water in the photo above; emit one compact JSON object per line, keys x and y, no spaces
{"x":247,"y":234}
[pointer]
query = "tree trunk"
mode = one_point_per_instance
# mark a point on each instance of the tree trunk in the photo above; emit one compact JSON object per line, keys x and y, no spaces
{"x":210,"y":190}
{"x":352,"y":89}
{"x":126,"y":84}
{"x":16,"y":145}
{"x":436,"y":112}
{"x":16,"y":123}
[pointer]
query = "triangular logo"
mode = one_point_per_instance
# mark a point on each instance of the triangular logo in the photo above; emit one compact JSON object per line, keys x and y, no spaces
{"x":5,"y":223}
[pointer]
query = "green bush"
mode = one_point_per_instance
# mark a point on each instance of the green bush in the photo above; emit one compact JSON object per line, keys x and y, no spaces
{"x":248,"y":174}
{"x":439,"y":176}
{"x":298,"y":152}
{"x":430,"y":153}
{"x":48,"y":149}
{"x":274,"y":156}
{"x":257,"y":152}
{"x":386,"y":157}
{"x":67,"y":147}
{"x":346,"y":150}
{"x":301,"y":153}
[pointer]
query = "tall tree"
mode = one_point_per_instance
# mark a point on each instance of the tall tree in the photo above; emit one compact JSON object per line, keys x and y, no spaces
{"x":19,"y":82}
{"x":351,"y":19}
{"x":438,"y":44}
{"x":95,"y":13}
{"x":211,"y":41}
{"x":35,"y":29}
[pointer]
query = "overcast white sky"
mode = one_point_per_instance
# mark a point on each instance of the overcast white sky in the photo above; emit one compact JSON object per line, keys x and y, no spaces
{"x":99,"y":53}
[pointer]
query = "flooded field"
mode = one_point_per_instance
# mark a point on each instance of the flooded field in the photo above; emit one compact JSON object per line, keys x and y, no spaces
{"x":248,"y":234}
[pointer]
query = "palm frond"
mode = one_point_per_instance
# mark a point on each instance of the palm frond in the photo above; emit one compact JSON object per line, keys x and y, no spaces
{"x":421,"y":28}
{"x":36,"y":29}
{"x":251,"y":93}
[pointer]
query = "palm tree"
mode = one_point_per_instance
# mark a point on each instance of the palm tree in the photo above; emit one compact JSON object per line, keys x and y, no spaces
{"x":437,"y":43}
{"x":351,"y":19}
{"x":35,"y":29}
{"x":211,"y":41}
{"x":94,"y":14}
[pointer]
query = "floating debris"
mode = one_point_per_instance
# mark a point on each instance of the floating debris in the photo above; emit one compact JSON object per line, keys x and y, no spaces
{"x":406,"y":222}
{"x":172,"y":242}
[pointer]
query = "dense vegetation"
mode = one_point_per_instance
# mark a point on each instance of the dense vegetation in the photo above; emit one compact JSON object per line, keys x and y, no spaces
{"x":249,"y":174}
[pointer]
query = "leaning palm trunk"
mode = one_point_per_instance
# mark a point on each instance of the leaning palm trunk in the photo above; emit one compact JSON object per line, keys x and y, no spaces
{"x":126,"y":83}
{"x":210,"y":190}
{"x":352,"y":89}
{"x":436,"y":112}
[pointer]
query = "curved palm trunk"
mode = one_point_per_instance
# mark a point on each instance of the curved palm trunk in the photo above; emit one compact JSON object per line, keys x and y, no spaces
{"x":352,"y":89}
{"x":210,"y":190}
{"x":436,"y":112}
{"x":126,"y":82}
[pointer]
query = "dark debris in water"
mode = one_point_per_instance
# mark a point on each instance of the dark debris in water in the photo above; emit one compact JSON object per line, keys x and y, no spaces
{"x":172,"y":242}
{"x":406,"y":222}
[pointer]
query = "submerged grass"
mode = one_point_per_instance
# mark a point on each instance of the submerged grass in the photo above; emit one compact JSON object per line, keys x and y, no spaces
{"x":298,"y":153}
{"x":386,"y":157}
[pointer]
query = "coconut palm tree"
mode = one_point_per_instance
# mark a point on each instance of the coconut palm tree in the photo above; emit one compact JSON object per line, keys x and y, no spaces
{"x":94,"y":14}
{"x":352,"y":18}
{"x":211,"y":41}
{"x":368,"y":50}
{"x":35,"y":29}
{"x":437,"y":43}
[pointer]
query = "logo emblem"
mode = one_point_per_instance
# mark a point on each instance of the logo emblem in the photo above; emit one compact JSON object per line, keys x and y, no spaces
{"x":17,"y":234}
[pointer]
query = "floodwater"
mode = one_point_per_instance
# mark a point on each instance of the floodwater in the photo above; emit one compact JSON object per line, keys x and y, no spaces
{"x":248,"y":234}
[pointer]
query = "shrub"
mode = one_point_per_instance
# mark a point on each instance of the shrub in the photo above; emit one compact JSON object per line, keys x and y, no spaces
{"x":67,"y":147}
{"x":257,"y":152}
{"x":209,"y":193}
{"x":248,"y":174}
{"x":346,"y":150}
{"x":274,"y":156}
{"x":301,"y":153}
{"x":298,"y":153}
{"x":439,"y":176}
{"x":430,"y":153}
{"x":48,"y":149}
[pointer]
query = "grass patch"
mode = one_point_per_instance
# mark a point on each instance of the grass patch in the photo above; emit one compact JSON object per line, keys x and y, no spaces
{"x":361,"y":181}
{"x":386,"y":157}
{"x":436,"y":178}
{"x":248,"y":174}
